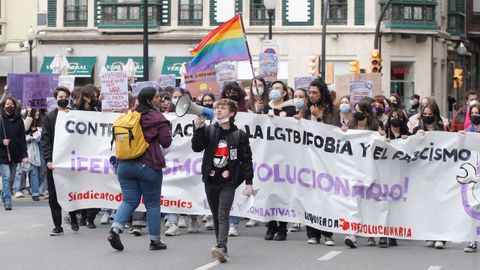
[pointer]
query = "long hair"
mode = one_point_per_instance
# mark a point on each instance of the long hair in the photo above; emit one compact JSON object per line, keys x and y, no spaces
{"x":438,"y":124}
{"x":145,"y":98}
{"x":234,"y":86}
{"x":264,"y":97}
{"x":365,"y":106}
{"x":400,"y":115}
{"x":16,"y":106}
{"x":284,"y":87}
{"x":325,"y":100}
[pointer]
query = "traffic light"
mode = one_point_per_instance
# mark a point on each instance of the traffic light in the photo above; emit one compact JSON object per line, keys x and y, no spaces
{"x":355,"y":66}
{"x":375,"y":61}
{"x":314,"y":65}
{"x":458,"y":78}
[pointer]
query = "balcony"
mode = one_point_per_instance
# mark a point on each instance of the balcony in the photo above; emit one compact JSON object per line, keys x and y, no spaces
{"x":411,"y":14}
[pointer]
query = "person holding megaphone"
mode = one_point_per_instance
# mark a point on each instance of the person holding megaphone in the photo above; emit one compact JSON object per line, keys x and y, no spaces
{"x":227,"y":163}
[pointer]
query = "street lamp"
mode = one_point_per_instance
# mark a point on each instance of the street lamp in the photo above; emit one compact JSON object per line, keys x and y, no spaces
{"x":31,"y":37}
{"x":270,"y":7}
{"x":462,"y":51}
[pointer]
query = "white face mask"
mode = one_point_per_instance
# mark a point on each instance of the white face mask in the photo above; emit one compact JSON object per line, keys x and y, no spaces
{"x":473,"y":103}
{"x":257,"y":91}
{"x":223,"y":120}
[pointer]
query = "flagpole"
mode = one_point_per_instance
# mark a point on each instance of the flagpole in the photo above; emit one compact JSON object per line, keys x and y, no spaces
{"x":248,"y":48}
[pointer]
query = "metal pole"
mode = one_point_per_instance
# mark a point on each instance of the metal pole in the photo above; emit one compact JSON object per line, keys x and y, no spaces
{"x":30,"y":44}
{"x":145,"y":40}
{"x":270,"y":22}
{"x":379,"y":22}
{"x":324,"y":37}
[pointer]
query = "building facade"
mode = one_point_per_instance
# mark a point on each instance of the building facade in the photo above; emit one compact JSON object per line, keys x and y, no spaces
{"x":419,"y":37}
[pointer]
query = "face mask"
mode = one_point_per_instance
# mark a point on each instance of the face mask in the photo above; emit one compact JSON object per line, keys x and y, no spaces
{"x":234,"y":98}
{"x":473,"y":103}
{"x":37,"y":117}
{"x":394,"y":105}
{"x":475,"y":120}
{"x":62,"y":103}
{"x":396,"y":122}
{"x":257,"y":91}
{"x":23,"y":113}
{"x":379,"y":111}
{"x":299,"y":103}
{"x":93,"y":102}
{"x":9,"y":110}
{"x":274,"y":95}
{"x":174,"y":101}
{"x":413,"y":102}
{"x":345,"y":108}
{"x":223,"y":121}
{"x":429,"y":119}
{"x":359,"y":116}
{"x":210,"y":106}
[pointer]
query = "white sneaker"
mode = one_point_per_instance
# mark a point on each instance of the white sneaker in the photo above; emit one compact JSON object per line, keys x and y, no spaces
{"x":233,"y":230}
{"x":182,"y":222}
{"x":430,"y":243}
{"x":251,"y":223}
{"x":194,"y":227}
{"x":313,"y":241}
{"x":209,"y":225}
{"x":295,"y":227}
{"x":439,"y":245}
{"x":329,"y":241}
{"x":351,"y":241}
{"x":472,"y":247}
{"x":19,"y":194}
{"x":167,"y":224}
{"x":173,"y":230}
{"x":105,"y":218}
{"x":204,"y":218}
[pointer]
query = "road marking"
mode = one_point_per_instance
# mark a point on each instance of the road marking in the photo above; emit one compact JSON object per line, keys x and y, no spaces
{"x":36,"y":226}
{"x":3,"y":232}
{"x":434,"y":267}
{"x":329,"y":255}
{"x":208,"y":265}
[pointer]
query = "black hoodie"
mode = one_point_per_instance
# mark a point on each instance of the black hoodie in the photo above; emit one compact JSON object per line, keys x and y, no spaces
{"x":15,"y":132}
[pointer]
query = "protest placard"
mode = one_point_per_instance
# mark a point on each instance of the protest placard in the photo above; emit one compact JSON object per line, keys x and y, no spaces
{"x":140,"y":85}
{"x":166,"y":80}
{"x":359,"y":90}
{"x":114,"y":90}
{"x":67,"y":81}
{"x":36,"y":90}
{"x":268,"y":66}
{"x":201,"y":83}
{"x":303,"y":82}
{"x":225,"y":72}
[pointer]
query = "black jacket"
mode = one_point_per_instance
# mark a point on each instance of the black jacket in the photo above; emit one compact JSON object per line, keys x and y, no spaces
{"x":15,"y":131}
{"x":48,"y":135}
{"x":240,"y":168}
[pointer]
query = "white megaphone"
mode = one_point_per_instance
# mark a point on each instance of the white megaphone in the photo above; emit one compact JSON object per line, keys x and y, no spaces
{"x":187,"y":106}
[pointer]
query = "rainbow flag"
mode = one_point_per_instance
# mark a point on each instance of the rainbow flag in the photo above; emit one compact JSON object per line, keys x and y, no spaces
{"x":225,"y":43}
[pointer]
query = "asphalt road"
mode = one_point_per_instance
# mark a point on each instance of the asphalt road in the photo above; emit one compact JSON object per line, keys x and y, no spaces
{"x":25,"y":244}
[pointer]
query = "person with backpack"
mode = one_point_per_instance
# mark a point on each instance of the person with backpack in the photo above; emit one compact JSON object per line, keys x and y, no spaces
{"x":138,"y":136}
{"x":227,"y":163}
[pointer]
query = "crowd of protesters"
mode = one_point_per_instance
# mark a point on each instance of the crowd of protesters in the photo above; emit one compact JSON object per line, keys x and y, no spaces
{"x":28,"y":136}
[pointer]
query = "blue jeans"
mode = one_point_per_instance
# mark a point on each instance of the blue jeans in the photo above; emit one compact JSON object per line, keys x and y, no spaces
{"x":32,"y":178}
{"x":137,"y":179}
{"x":5,"y":171}
{"x":234,"y":220}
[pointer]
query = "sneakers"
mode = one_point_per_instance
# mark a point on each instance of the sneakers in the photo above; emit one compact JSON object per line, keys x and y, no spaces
{"x":430,"y":243}
{"x":313,"y":240}
{"x":281,"y":235}
{"x":295,"y":227}
{"x":371,"y":242}
{"x":472,"y":247}
{"x":8,"y":206}
{"x":173,"y":230}
{"x":57,"y":231}
{"x":18,"y":194}
{"x":75,"y":226}
{"x":329,"y":241}
{"x":182,"y":223}
{"x":105,"y":218}
{"x":440,"y":244}
{"x":35,"y":198}
{"x":114,"y":239}
{"x":194,"y":226}
{"x":209,"y":225}
{"x":137,"y":231}
{"x":157,"y":245}
{"x":392,"y":242}
{"x":383,"y":242}
{"x":219,"y":253}
{"x":351,"y":241}
{"x":251,"y":223}
{"x":270,"y":234}
{"x":233,"y":230}
{"x":91,"y":224}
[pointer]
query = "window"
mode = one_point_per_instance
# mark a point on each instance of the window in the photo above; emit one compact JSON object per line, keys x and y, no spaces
{"x":75,"y":13}
{"x":407,"y":13}
{"x":337,"y":12}
{"x":129,"y":13}
{"x":107,"y":13}
{"x":456,"y":18}
{"x":258,"y":13}
{"x":297,"y":12}
{"x":190,"y":12}
{"x":418,"y":14}
{"x":476,"y":6}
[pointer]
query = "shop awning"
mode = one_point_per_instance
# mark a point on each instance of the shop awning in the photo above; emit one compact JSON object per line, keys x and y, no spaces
{"x":172,"y":64}
{"x":80,"y":66}
{"x":117,"y":62}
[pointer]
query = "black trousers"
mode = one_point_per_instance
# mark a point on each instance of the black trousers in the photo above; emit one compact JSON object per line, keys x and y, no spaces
{"x":316,"y":233}
{"x":89,"y":214}
{"x":55,"y":208}
{"x":277,"y":226}
{"x":220,"y":199}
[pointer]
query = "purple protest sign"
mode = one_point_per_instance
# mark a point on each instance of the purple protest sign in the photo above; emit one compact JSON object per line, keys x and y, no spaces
{"x":36,"y":91}
{"x":15,"y":85}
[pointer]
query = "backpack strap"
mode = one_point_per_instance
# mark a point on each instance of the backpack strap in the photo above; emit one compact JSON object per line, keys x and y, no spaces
{"x":113,"y":138}
{"x":236,"y":138}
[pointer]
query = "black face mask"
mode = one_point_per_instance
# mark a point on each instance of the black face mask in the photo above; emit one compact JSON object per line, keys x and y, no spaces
{"x":9,"y":110}
{"x":429,"y":119}
{"x":475,"y":120}
{"x":93,"y":103}
{"x":395,"y":122}
{"x":359,"y":116}
{"x":379,"y":110}
{"x":62,"y":103}
{"x":234,"y":98}
{"x":394,"y":105}
{"x":210,"y":106}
